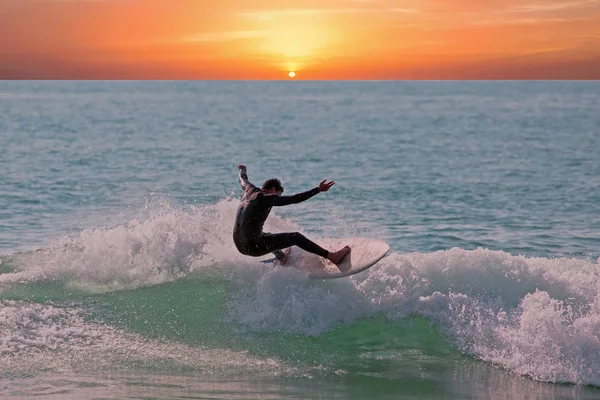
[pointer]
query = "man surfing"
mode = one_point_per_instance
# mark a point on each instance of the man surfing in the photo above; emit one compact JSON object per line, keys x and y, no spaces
{"x":253,"y":211}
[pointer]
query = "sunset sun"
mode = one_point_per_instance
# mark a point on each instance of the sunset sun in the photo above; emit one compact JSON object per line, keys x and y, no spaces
{"x":291,"y":74}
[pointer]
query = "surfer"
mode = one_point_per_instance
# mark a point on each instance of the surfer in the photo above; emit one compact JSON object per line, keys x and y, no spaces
{"x":253,"y":211}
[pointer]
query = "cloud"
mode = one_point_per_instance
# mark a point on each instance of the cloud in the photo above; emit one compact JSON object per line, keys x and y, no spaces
{"x":542,"y":7}
{"x":264,"y":15}
{"x":405,"y":10}
{"x":519,"y":21}
{"x":78,"y":1}
{"x":224,"y":36}
{"x":271,"y":14}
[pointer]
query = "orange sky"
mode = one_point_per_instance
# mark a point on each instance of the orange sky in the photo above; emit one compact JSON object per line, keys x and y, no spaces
{"x":319,"y":39}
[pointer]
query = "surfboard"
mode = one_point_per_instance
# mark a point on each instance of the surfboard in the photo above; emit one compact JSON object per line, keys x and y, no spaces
{"x":365,"y":253}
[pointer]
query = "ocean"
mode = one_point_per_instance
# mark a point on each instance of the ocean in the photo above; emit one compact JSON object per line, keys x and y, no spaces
{"x":119,"y":277}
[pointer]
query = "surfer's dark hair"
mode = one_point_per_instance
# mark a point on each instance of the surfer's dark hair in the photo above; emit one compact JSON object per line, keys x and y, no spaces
{"x":272,"y":183}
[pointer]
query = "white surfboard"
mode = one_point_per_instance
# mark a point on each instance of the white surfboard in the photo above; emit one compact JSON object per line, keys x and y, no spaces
{"x":365,"y":253}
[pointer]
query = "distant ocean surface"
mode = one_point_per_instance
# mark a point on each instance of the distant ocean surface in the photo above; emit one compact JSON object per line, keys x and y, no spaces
{"x":119,"y":277}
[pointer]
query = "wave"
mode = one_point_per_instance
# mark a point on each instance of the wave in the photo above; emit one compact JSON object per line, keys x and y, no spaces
{"x":538,"y":317}
{"x":533,"y":316}
{"x":59,"y":338}
{"x":167,"y":245}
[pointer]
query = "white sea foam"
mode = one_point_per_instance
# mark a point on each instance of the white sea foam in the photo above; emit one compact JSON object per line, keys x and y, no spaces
{"x":36,"y":337}
{"x":167,"y":245}
{"x":533,"y":316}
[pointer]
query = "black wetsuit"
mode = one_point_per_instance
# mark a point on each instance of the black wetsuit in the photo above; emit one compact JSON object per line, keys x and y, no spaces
{"x":251,"y":215}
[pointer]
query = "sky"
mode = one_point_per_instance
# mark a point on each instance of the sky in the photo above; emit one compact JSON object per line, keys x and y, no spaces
{"x":317,"y":39}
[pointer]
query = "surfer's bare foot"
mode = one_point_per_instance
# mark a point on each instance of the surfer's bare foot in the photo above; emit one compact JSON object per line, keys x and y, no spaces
{"x":338,"y":256}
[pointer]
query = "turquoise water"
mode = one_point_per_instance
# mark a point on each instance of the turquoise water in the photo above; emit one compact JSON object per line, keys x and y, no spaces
{"x":118,"y":275}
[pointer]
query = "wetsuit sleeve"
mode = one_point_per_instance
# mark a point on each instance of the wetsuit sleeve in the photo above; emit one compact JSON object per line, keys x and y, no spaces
{"x":244,"y":182}
{"x":295,"y":199}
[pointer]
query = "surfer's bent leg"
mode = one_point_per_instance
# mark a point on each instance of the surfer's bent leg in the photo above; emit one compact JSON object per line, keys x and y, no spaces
{"x":278,"y":241}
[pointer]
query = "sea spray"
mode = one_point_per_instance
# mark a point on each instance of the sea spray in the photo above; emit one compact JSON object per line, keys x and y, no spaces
{"x":167,"y":245}
{"x":533,"y":316}
{"x":35,"y":337}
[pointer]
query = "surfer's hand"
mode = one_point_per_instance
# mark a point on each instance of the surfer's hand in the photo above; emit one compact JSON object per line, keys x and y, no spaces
{"x":242,"y":167}
{"x":324,"y":185}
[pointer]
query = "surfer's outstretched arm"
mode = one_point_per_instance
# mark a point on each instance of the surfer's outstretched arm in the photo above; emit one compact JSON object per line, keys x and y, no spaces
{"x":295,"y":199}
{"x":300,"y":197}
{"x":243,"y":177}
